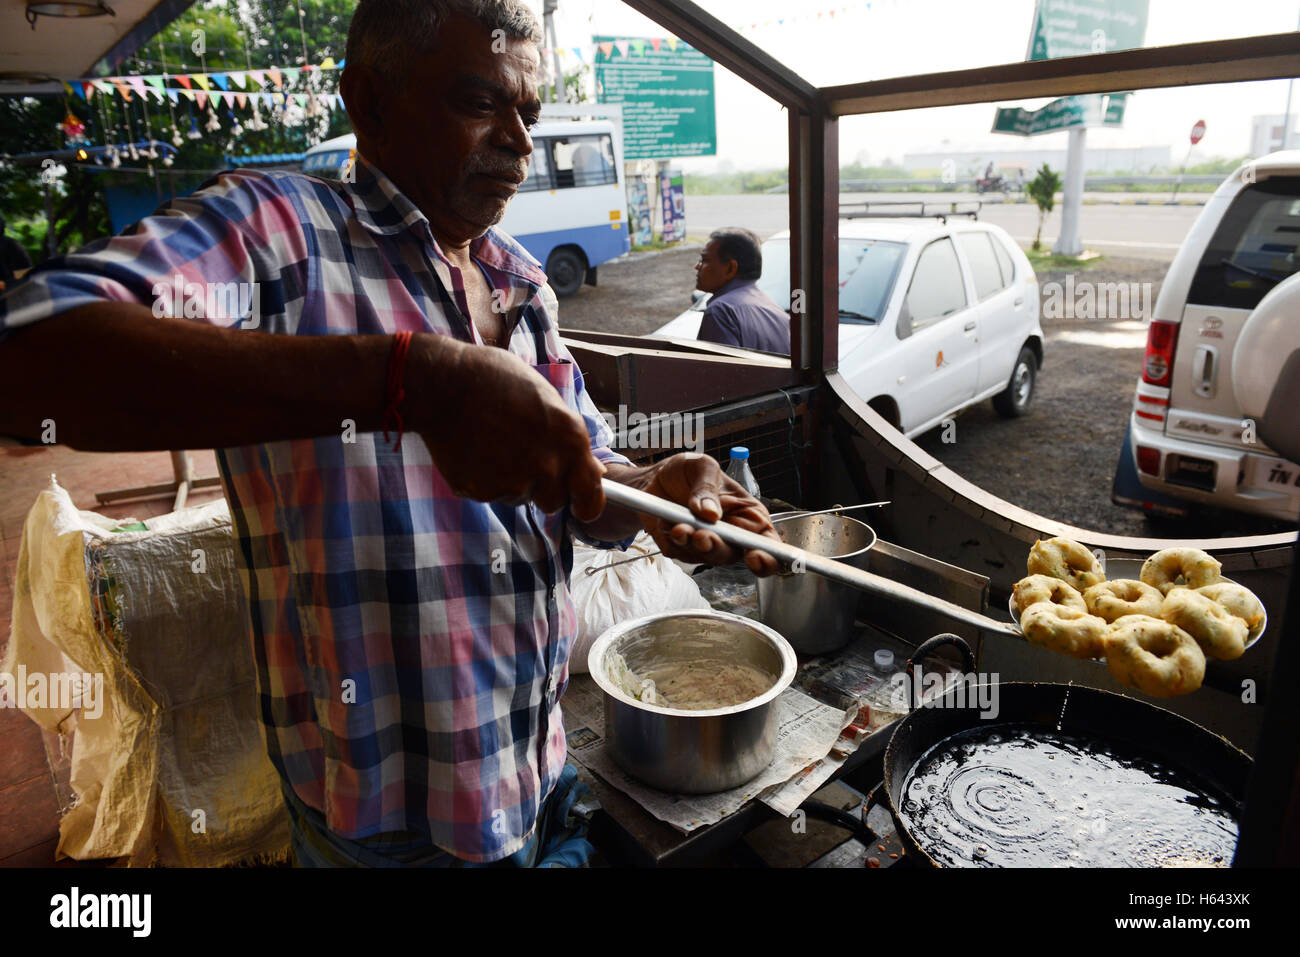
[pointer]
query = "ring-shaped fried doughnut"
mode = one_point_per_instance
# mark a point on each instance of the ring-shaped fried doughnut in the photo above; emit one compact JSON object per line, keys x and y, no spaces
{"x":1154,"y":656}
{"x":1237,"y":600}
{"x":1036,"y":588}
{"x":1220,"y":634}
{"x":1067,"y":560}
{"x":1195,"y":567}
{"x":1064,"y":629}
{"x":1123,"y":596}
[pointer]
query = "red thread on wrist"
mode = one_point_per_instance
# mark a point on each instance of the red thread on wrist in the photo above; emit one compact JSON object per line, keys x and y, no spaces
{"x":394,"y":391}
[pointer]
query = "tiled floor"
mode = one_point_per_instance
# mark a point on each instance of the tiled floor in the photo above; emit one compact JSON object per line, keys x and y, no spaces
{"x":29,"y":825}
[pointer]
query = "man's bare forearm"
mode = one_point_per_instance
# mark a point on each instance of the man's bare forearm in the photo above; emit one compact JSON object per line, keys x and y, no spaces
{"x":112,"y":377}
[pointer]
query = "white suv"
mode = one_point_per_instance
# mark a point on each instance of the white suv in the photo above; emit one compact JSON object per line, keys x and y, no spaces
{"x":1188,"y":436}
{"x":934,"y":316}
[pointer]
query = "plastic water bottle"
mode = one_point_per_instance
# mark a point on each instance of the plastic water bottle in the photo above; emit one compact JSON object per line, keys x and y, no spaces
{"x":738,"y":468}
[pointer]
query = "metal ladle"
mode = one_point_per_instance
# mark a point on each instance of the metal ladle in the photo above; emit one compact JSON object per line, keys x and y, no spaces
{"x":653,"y":505}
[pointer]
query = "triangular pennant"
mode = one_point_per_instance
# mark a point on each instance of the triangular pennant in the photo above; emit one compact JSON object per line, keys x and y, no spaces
{"x":256,"y":77}
{"x":638,"y":47}
{"x":190,"y":95}
{"x":672,"y":43}
{"x":121,"y":88}
{"x":228,"y":98}
{"x":174,"y":95}
{"x":277,"y":78}
{"x":302,"y":99}
{"x":342,"y":64}
{"x":577,"y":51}
{"x":89,"y":90}
{"x":78,"y":89}
{"x":268,"y":99}
{"x":291,"y":76}
{"x":239,"y":78}
{"x":327,"y":63}
{"x":202,"y":99}
{"x":621,"y":46}
{"x":221,"y":80}
{"x":154,"y":81}
{"x":655,"y":43}
{"x":202,"y":80}
{"x":606,"y":47}
{"x":184,"y":81}
{"x":137,"y":84}
{"x":241,"y":99}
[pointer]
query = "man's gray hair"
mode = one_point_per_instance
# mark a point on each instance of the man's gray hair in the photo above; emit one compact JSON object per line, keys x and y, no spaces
{"x":390,"y":35}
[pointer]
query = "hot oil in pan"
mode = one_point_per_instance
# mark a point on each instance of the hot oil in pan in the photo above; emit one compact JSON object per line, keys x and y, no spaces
{"x":1016,"y":795}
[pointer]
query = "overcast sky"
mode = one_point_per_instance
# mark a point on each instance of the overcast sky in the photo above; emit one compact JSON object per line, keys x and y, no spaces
{"x":889,"y":38}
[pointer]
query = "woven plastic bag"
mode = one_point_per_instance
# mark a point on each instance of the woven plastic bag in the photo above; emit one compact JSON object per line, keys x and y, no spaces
{"x":608,"y":589}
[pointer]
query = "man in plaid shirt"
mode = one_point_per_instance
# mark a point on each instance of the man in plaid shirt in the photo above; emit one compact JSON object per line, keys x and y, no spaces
{"x":409,"y":608}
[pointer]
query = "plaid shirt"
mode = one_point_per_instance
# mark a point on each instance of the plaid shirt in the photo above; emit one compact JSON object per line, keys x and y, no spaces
{"x":411,"y":646}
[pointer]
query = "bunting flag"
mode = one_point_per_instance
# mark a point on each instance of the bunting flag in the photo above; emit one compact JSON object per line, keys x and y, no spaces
{"x":239,"y":78}
{"x":291,"y":76}
{"x":607,"y":47}
{"x":638,"y":47}
{"x":121,"y":88}
{"x":190,"y":95}
{"x":174,"y":95}
{"x":154,"y":81}
{"x":88,"y":91}
{"x":220,"y":80}
{"x":202,"y":99}
{"x":256,"y":77}
{"x":202,"y":80}
{"x":184,"y":81}
{"x":241,"y":99}
{"x":327,"y":63}
{"x":621,"y":46}
{"x":137,"y":84}
{"x":655,"y":41}
{"x":277,"y":78}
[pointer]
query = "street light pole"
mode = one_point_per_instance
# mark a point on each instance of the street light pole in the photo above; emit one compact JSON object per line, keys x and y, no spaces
{"x":548,"y":18}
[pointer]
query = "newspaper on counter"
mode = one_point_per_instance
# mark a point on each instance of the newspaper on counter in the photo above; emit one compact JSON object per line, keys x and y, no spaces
{"x":807,"y":730}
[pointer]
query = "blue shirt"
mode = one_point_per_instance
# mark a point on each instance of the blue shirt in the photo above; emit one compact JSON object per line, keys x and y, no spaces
{"x":741,"y":314}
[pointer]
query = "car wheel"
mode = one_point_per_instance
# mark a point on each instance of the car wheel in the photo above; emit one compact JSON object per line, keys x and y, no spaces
{"x":1013,"y":401}
{"x":565,"y":270}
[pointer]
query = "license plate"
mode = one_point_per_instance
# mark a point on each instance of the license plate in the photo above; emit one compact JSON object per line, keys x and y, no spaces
{"x":1275,"y":474}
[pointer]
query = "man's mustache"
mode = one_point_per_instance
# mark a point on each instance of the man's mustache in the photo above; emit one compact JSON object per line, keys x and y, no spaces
{"x":502,"y":168}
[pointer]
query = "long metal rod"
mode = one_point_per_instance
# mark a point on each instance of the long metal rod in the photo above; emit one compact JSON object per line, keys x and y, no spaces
{"x":653,"y":505}
{"x":826,"y":511}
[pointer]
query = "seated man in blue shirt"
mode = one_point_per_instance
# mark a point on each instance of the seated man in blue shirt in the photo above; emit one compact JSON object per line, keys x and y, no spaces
{"x":739,"y":314}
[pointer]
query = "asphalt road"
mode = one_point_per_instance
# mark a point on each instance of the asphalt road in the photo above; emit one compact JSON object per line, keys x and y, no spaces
{"x":1143,"y":232}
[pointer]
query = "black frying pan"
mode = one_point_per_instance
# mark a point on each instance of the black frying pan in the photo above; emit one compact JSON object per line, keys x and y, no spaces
{"x":1216,"y":766}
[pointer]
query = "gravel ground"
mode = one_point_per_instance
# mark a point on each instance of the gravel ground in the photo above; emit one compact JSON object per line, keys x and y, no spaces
{"x":1058,"y":460}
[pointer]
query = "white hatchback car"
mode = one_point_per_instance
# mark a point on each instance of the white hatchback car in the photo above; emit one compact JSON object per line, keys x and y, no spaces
{"x":934,"y":316}
{"x":1188,"y":436}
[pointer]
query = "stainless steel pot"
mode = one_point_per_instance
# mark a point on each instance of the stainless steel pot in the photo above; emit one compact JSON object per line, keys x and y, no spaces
{"x":692,"y":752}
{"x":815,"y":614}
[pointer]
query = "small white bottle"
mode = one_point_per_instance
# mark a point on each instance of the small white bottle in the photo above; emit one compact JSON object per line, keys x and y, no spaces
{"x":738,"y":468}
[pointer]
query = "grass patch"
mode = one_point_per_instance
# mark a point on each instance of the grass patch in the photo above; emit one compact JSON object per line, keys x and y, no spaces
{"x":1045,"y":260}
{"x":655,"y":244}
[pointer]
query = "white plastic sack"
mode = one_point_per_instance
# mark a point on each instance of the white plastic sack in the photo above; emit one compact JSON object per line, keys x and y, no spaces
{"x":613,"y":593}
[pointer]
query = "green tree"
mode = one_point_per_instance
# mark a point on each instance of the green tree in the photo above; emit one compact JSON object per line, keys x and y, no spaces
{"x":1043,"y":191}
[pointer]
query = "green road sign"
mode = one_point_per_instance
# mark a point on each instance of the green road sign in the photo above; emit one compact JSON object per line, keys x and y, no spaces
{"x":666,"y":92}
{"x":1069,"y":111}
{"x":1076,"y":27}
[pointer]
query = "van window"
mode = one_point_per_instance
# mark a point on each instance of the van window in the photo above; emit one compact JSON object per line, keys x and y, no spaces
{"x":983,"y":263}
{"x":1254,"y":247}
{"x":583,"y":160}
{"x":539,"y":168}
{"x":937,"y":290}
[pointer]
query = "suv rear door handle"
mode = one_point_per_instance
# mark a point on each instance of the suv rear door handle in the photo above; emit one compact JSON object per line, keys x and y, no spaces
{"x":969,"y":327}
{"x":1204,"y":367}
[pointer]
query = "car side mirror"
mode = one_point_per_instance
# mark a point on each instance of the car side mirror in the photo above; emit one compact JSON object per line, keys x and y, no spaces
{"x":904,"y":326}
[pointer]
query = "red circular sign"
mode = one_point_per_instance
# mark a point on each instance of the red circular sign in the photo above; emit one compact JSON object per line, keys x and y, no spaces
{"x":1198,"y":131}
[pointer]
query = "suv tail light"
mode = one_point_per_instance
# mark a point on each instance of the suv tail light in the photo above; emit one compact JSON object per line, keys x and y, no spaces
{"x":1158,"y":363}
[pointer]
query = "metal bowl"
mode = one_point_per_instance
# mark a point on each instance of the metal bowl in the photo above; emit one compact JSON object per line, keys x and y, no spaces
{"x":816,"y":614}
{"x":692,"y":752}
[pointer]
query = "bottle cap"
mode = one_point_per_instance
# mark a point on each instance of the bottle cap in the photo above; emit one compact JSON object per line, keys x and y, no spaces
{"x":884,"y":659}
{"x":739,"y":452}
